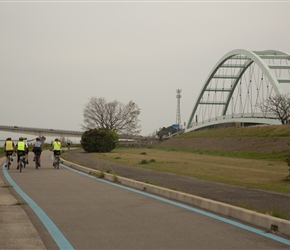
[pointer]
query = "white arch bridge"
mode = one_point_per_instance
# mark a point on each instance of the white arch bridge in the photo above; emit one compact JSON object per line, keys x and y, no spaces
{"x":236,"y":87}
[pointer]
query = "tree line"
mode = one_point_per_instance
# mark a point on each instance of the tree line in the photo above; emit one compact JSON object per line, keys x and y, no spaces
{"x":105,"y":121}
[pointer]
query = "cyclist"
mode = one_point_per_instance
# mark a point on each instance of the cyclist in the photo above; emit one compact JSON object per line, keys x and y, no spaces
{"x":20,"y":148}
{"x":68,"y":143}
{"x":27,"y":149}
{"x":8,"y":148}
{"x":37,"y":149}
{"x":55,"y":147}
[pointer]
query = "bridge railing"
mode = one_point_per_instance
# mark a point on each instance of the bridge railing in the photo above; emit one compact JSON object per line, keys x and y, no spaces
{"x":40,"y":131}
{"x":269,"y":118}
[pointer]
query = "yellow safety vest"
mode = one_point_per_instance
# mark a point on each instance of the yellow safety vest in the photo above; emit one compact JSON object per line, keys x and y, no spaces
{"x":56,"y":145}
{"x":21,"y":146}
{"x":9,"y":146}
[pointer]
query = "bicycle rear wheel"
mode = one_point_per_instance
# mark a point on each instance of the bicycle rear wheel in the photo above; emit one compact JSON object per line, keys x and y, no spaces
{"x":36,"y":161}
{"x":23,"y":163}
{"x":9,"y":162}
{"x":57,"y":162}
{"x":20,"y":166}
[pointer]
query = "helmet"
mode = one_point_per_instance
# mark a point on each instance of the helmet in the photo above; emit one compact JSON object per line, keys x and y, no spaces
{"x":38,"y":139}
{"x":56,"y":139}
{"x":24,"y":137}
{"x":20,"y":138}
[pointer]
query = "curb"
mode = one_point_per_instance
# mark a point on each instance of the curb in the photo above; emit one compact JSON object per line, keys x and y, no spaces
{"x":267,"y":222}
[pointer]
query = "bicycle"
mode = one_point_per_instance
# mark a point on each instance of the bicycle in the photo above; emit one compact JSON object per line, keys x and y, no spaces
{"x":37,"y":164}
{"x":37,"y":153}
{"x":9,"y":161}
{"x":56,"y":161}
{"x":22,"y":162}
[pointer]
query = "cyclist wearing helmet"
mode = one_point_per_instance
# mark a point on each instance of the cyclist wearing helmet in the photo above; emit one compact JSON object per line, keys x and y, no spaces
{"x":20,"y":148}
{"x":27,"y":149}
{"x":55,"y":146}
{"x":8,"y":148}
{"x":37,"y":149}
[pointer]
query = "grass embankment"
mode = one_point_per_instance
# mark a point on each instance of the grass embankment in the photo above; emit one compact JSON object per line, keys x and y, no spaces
{"x":267,"y":171}
{"x":252,"y":131}
{"x":265,"y":142}
{"x":263,"y":174}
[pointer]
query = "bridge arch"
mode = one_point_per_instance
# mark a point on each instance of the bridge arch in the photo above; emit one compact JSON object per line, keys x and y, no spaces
{"x":270,"y":67}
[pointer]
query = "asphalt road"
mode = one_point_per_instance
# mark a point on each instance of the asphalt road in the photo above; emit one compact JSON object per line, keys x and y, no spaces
{"x":82,"y":212}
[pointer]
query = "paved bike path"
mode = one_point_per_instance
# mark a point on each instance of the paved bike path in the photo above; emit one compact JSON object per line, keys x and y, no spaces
{"x":93,"y":214}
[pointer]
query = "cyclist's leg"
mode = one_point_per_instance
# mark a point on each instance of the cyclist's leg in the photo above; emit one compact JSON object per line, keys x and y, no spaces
{"x":22,"y":160}
{"x":57,"y":160}
{"x":38,"y":154}
{"x":38,"y":158}
{"x":9,"y":156}
{"x":54,"y":152}
{"x":26,"y":155}
{"x":36,"y":161}
{"x":18,"y":159}
{"x":57,"y":163}
{"x":56,"y":157}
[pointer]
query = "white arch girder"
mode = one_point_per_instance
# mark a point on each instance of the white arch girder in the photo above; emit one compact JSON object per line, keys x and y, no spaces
{"x":250,"y":57}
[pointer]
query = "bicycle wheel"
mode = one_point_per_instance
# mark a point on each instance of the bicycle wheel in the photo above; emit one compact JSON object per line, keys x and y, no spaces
{"x":20,"y":166}
{"x":57,"y":162}
{"x":23,"y":162}
{"x":9,"y":162}
{"x":36,"y":161}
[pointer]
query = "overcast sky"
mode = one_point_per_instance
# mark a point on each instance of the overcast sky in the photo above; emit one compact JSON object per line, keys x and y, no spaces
{"x":54,"y":55}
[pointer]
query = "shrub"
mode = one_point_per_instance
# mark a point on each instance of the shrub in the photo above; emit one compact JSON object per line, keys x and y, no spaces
{"x":99,"y":140}
{"x":147,"y":162}
{"x":143,"y":162}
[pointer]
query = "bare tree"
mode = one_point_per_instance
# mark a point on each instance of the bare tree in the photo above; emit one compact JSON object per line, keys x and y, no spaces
{"x":98,"y":113}
{"x":279,"y":105}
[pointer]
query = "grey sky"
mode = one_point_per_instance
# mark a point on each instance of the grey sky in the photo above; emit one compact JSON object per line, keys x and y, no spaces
{"x":54,"y":56}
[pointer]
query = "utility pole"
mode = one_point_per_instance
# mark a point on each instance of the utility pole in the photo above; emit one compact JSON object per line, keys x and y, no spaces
{"x":178,"y":116}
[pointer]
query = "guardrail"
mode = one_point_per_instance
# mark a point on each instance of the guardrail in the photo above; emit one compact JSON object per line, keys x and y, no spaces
{"x":40,"y":131}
